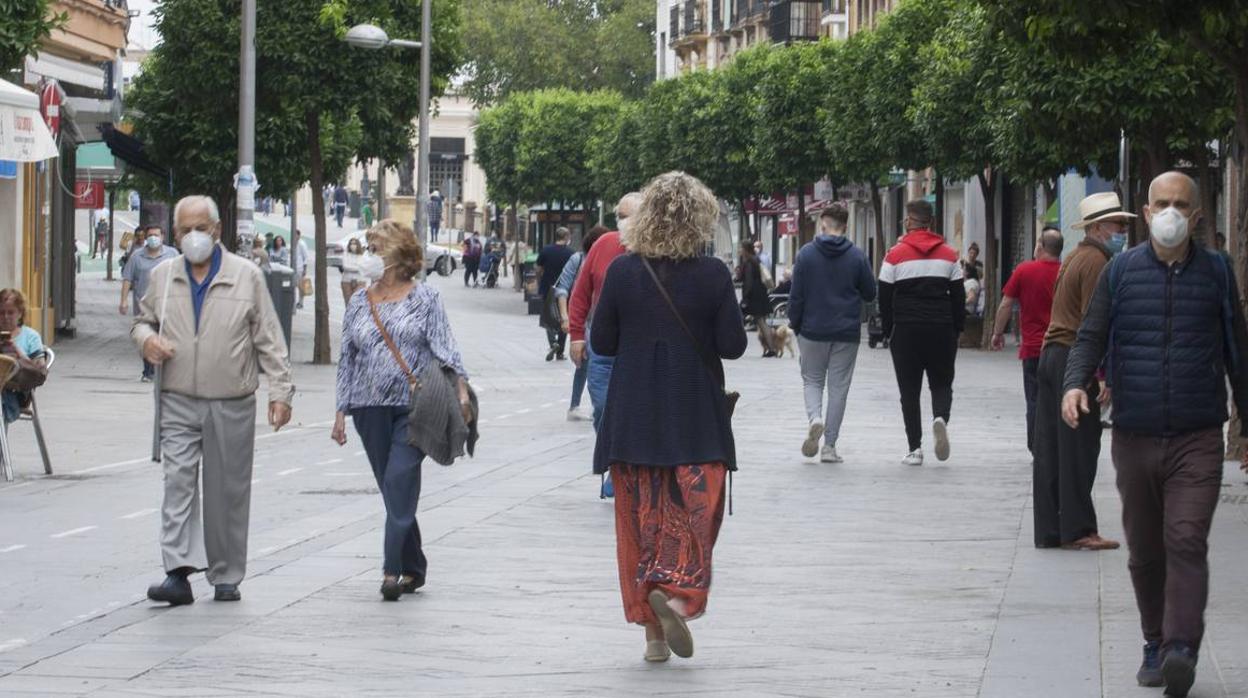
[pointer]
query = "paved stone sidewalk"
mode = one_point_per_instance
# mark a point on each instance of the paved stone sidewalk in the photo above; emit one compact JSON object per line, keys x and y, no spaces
{"x":866,"y":578}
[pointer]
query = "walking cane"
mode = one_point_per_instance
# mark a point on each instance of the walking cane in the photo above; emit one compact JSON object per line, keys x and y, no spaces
{"x":160,"y":372}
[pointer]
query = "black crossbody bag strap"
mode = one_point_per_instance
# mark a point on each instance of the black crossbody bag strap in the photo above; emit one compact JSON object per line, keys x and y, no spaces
{"x":716,"y":369}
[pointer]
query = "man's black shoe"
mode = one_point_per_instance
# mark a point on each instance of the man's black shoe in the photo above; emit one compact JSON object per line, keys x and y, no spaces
{"x":1150,"y":669}
{"x":391,"y":590}
{"x":175,"y":590}
{"x":227,"y":592}
{"x":411,"y":585}
{"x":1179,"y":669}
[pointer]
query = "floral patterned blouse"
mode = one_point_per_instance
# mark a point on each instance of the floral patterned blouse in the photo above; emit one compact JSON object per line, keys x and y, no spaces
{"x":368,"y":375}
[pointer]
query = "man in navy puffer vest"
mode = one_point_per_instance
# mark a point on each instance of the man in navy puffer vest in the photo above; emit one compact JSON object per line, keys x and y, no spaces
{"x":1166,"y":320}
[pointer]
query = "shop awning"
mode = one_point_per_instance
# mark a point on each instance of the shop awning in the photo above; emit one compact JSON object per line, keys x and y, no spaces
{"x":23,"y":135}
{"x":130,"y":150}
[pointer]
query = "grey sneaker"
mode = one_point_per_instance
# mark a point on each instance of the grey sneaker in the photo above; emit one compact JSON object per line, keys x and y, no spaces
{"x":941,"y":431}
{"x":810,"y":447}
{"x":914,"y":457}
{"x":828,"y":454}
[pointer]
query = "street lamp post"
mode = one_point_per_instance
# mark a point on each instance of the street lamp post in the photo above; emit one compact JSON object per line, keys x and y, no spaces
{"x":245,"y":198}
{"x":369,"y":36}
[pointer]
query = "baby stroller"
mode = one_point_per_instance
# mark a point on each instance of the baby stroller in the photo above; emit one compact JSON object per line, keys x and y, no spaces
{"x":490,"y":264}
{"x":875,"y":326}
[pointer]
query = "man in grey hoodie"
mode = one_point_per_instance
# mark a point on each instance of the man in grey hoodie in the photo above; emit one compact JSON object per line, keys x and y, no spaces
{"x":831,"y":280}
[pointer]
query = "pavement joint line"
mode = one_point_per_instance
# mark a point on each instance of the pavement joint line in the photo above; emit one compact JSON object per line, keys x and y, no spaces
{"x":331,"y":461}
{"x":256,"y":480}
{"x":524,"y":411}
{"x":12,"y":549}
{"x":289,"y":471}
{"x":73,"y":531}
{"x":360,"y":453}
{"x":12,"y":644}
{"x":137,"y":514}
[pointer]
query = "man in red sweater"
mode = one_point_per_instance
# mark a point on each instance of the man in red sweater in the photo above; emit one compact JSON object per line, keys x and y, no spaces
{"x":581,"y":307}
{"x":1031,"y":288}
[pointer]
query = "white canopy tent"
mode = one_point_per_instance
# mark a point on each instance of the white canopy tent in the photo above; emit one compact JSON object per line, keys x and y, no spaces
{"x":23,"y":135}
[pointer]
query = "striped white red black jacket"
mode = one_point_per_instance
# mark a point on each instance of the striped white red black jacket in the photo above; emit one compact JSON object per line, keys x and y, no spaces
{"x":921,"y":283}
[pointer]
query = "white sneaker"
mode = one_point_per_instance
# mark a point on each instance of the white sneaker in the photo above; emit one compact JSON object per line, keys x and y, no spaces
{"x":576,"y":414}
{"x":941,"y":431}
{"x":914,"y":457}
{"x":810,"y":447}
{"x":829,"y":455}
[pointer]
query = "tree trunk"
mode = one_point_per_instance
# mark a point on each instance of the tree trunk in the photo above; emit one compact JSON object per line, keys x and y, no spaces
{"x":938,"y":225}
{"x":988,"y":180}
{"x":877,"y":207}
{"x":1208,"y":196}
{"x":320,"y":338}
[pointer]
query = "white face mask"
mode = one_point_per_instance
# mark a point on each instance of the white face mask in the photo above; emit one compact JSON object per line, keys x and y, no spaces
{"x":1169,"y":228}
{"x":153,"y":242}
{"x":197,"y":246}
{"x":371,"y":267}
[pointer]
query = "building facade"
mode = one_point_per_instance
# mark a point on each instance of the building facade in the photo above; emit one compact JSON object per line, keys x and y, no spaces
{"x":75,"y":79}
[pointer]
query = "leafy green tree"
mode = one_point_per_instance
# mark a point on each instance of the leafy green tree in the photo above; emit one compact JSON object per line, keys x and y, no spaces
{"x":615,"y":154}
{"x":553,"y":152}
{"x":522,"y":45}
{"x":785,"y":149}
{"x":26,"y":24}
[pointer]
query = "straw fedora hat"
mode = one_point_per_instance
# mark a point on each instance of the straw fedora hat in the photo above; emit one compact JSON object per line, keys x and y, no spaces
{"x":1099,"y":207}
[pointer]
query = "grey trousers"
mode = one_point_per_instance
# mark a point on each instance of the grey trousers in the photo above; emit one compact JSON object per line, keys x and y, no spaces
{"x":216,"y":437}
{"x":830,"y":364}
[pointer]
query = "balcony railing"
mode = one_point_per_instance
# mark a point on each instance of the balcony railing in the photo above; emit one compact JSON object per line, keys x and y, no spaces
{"x":674,"y":26}
{"x":717,"y":16}
{"x":693,"y":23}
{"x":795,"y":20}
{"x":835,"y":7}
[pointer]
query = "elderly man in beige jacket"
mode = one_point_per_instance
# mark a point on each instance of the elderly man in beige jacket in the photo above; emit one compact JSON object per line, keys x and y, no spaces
{"x":206,"y":318}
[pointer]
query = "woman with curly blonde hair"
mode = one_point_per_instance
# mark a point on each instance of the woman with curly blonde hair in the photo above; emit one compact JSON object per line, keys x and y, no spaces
{"x":669,"y":315}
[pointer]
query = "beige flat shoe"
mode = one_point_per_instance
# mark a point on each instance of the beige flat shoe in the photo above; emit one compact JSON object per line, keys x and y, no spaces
{"x":674,"y":627}
{"x":657,"y":651}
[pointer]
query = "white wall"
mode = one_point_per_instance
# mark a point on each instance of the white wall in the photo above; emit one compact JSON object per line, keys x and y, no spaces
{"x":11,"y":231}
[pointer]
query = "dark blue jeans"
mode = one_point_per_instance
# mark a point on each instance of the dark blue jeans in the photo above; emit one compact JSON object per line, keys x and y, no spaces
{"x":578,"y":384}
{"x":396,"y":466}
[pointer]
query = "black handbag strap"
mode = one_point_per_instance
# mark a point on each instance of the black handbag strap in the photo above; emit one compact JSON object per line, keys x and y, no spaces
{"x":716,"y":369}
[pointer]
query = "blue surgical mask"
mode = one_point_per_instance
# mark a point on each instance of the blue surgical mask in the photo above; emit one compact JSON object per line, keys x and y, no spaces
{"x":1117,"y":242}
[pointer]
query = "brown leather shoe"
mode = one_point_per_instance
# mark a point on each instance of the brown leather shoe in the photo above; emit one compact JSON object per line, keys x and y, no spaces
{"x":1092,"y":541}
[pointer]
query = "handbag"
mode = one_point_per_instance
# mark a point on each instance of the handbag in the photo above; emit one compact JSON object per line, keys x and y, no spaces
{"x":305,"y":286}
{"x":713,"y":365}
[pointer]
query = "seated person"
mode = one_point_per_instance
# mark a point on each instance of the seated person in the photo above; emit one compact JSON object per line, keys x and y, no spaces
{"x":786,"y":284}
{"x":19,"y":342}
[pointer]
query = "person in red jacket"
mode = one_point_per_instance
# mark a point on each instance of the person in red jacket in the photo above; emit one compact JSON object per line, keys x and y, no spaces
{"x":584,"y":298}
{"x":1031,"y":288}
{"x":923,"y":308}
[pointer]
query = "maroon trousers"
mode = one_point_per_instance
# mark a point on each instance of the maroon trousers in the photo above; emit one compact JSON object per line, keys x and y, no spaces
{"x":1169,"y":488}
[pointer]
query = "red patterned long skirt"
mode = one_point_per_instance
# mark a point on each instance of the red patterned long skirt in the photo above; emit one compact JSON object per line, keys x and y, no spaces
{"x":666,"y":523}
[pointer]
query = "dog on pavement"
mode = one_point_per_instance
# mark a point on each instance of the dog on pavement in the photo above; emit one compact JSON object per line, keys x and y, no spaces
{"x":782,"y":339}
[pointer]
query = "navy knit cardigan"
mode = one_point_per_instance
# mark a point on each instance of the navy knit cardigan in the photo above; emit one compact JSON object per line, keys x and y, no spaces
{"x":664,"y":405}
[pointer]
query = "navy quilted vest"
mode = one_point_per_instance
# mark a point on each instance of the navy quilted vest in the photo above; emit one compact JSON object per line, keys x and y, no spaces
{"x":1170,"y":335}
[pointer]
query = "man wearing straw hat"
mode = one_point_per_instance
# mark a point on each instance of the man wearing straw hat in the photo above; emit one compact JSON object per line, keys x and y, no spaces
{"x":207,"y":321}
{"x":1065,"y":457}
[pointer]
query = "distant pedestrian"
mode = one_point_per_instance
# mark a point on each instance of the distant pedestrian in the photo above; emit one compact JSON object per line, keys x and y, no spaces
{"x":585,"y":294}
{"x":563,"y":289}
{"x":472,"y":251}
{"x":299,"y":260}
{"x":550,"y":263}
{"x":366,"y":213}
{"x":1166,"y":317}
{"x":100,"y":247}
{"x":755,"y":300}
{"x":396,"y":315}
{"x":280,"y":253}
{"x":340,"y":203}
{"x":259,"y":255}
{"x":1031,"y":289}
{"x":763,"y":258}
{"x":209,"y":321}
{"x":137,"y":273}
{"x":135,"y":201}
{"x":831,"y":280}
{"x":668,"y":315}
{"x":433,"y":210}
{"x":1065,"y":457}
{"x":923,"y":308}
{"x":352,"y":278}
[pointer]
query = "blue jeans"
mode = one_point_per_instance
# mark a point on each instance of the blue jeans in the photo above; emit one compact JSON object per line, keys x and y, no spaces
{"x":598,"y":378}
{"x":12,"y":406}
{"x":578,"y":384}
{"x":396,"y":466}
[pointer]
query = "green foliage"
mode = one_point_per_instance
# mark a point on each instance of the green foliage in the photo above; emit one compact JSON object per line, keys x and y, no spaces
{"x":522,"y":45}
{"x":553,"y":151}
{"x":615,"y":153}
{"x":26,"y":23}
{"x":497,"y":138}
{"x":788,"y":108}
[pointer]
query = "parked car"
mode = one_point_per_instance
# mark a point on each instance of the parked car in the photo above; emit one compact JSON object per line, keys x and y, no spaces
{"x":441,"y":259}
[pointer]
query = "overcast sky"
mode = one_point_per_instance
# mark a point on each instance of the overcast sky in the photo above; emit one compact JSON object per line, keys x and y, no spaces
{"x":142,"y":33}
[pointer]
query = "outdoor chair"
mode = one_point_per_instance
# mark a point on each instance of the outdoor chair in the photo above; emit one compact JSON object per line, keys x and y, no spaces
{"x":8,"y":369}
